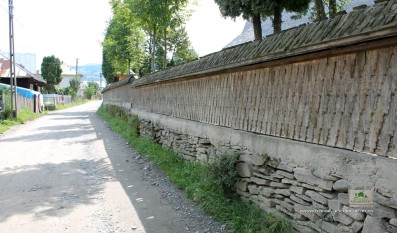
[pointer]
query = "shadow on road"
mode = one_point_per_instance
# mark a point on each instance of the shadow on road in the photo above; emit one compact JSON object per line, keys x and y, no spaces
{"x":50,"y":189}
{"x":58,"y":131}
{"x":155,"y":214}
{"x":67,"y":133}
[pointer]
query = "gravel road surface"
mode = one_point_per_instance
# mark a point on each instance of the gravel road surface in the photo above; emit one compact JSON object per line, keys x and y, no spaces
{"x":68,"y":172}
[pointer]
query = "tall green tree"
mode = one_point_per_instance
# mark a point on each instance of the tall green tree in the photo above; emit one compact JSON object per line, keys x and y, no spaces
{"x":248,"y":9}
{"x":91,"y":89}
{"x":180,"y":46}
{"x":322,"y":8}
{"x":149,"y":14}
{"x":107,"y":67}
{"x":174,"y":17}
{"x":332,"y":8}
{"x":51,"y":72}
{"x":158,"y":19}
{"x":276,"y":7}
{"x":74,"y":86}
{"x":123,"y":46}
{"x":141,"y":34}
{"x":254,"y":10}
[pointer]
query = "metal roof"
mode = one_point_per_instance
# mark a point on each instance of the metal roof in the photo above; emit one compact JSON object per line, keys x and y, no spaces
{"x":20,"y":71}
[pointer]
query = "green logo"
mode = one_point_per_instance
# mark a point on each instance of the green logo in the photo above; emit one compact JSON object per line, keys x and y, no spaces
{"x":360,"y":198}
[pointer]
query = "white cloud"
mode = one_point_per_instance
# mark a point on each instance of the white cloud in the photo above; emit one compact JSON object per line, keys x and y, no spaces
{"x":209,"y":31}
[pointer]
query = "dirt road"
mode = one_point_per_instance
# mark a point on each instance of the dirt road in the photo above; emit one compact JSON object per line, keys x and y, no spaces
{"x":67,"y":172}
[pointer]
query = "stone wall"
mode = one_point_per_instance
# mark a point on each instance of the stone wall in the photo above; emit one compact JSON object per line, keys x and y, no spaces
{"x":312,"y":188}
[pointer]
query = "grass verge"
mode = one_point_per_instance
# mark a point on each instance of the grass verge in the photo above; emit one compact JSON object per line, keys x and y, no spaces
{"x":194,"y":178}
{"x":23,"y":116}
{"x":72,"y":104}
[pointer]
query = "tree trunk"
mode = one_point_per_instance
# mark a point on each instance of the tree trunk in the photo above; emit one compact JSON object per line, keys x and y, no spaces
{"x":165,"y":48}
{"x":277,"y":19}
{"x":153,"y":65}
{"x":320,"y":11}
{"x":257,"y":24}
{"x":332,"y":8}
{"x":129,"y":68}
{"x":165,"y":35}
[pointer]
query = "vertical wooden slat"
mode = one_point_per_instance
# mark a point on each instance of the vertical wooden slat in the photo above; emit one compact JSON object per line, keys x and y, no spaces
{"x":262,"y":101}
{"x":329,"y":102}
{"x":306,"y":102}
{"x":293,"y":100}
{"x":271,"y":90}
{"x":278,"y":106}
{"x":299,"y":101}
{"x":267,"y":101}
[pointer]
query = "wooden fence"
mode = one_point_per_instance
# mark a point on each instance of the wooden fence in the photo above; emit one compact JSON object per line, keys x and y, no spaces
{"x":22,"y":103}
{"x":345,"y":101}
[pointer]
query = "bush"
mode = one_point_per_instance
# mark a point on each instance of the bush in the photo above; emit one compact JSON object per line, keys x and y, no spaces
{"x":5,"y":113}
{"x":133,"y":123}
{"x":224,"y":173}
{"x":91,"y":89}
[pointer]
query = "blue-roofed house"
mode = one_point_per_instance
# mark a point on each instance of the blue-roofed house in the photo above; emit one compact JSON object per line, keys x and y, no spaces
{"x":25,"y":78}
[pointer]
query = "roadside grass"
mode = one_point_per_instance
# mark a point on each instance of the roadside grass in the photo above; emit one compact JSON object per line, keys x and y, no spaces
{"x":197,"y":181}
{"x":23,"y":116}
{"x":72,"y":104}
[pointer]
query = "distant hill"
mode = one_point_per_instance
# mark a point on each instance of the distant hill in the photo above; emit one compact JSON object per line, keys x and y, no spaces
{"x":91,"y":72}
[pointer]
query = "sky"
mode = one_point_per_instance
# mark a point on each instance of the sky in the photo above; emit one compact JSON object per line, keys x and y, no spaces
{"x":74,"y":29}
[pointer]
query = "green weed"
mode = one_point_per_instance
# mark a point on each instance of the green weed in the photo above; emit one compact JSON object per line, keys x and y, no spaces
{"x":72,"y":104}
{"x":23,"y":116}
{"x":205,"y":184}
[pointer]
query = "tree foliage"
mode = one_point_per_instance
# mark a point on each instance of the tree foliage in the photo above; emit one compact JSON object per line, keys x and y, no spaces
{"x":254,"y":10}
{"x":141,"y":36}
{"x":91,"y":89}
{"x":323,"y":9}
{"x":51,"y":72}
{"x":74,"y":87}
{"x":123,"y":47}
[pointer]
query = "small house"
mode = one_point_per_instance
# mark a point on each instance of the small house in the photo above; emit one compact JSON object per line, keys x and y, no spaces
{"x":25,"y":78}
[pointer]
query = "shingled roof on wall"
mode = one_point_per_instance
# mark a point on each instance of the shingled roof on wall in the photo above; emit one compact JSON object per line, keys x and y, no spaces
{"x":118,"y":84}
{"x":247,"y":34}
{"x":363,"y":24}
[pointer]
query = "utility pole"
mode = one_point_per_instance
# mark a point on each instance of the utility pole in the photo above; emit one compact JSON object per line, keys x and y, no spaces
{"x":77,"y":66}
{"x":13,"y":78}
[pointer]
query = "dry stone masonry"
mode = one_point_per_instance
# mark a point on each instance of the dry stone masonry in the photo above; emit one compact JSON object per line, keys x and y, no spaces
{"x":316,"y":200}
{"x":311,"y":112}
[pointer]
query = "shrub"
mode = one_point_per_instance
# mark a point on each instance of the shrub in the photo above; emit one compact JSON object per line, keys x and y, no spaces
{"x":224,"y":173}
{"x":5,"y":113}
